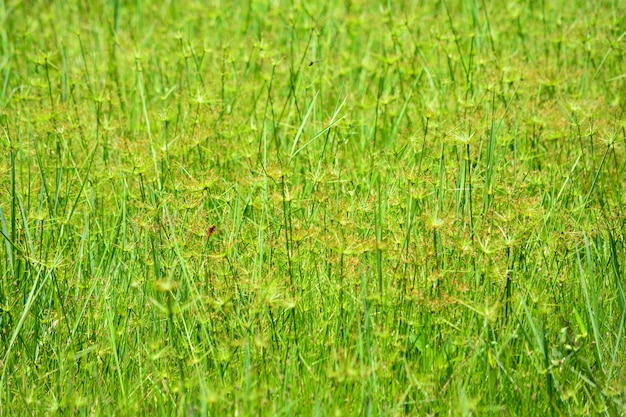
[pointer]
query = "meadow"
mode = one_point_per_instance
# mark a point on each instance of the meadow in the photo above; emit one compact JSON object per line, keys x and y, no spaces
{"x":324,"y":208}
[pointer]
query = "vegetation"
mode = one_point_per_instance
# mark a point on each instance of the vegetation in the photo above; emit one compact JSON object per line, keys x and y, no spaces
{"x":312,"y":208}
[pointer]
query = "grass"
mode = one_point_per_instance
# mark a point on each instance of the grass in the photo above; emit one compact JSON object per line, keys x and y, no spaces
{"x":326,"y":208}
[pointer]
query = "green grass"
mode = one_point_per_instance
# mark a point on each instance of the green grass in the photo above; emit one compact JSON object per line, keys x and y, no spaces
{"x":312,"y":208}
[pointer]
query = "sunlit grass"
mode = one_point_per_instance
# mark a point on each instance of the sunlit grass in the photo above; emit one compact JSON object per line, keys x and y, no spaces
{"x":312,"y":209}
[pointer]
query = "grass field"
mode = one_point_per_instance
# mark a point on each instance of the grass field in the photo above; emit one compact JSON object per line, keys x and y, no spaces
{"x":304,"y":208}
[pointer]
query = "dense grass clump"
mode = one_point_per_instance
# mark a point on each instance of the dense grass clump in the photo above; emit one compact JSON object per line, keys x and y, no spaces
{"x":312,"y":208}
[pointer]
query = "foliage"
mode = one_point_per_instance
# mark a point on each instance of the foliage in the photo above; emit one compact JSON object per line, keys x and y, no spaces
{"x":327,"y":208}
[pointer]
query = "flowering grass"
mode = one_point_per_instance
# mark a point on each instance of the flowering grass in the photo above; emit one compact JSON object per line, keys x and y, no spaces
{"x":312,"y":208}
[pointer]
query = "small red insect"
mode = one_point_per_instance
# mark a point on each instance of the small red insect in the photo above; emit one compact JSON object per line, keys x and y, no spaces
{"x":211,"y":231}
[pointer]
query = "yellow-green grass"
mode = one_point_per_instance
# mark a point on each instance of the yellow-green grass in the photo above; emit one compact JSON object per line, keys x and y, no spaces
{"x":312,"y":208}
